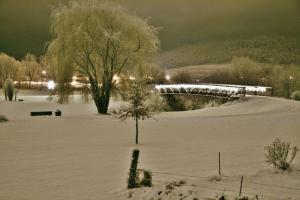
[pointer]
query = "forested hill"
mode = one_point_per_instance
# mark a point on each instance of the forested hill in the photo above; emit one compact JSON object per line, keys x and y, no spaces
{"x":263,"y":49}
{"x":24,"y":25}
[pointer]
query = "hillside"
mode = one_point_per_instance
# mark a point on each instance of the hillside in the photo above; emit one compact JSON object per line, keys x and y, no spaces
{"x":197,"y":72}
{"x":264,"y":49}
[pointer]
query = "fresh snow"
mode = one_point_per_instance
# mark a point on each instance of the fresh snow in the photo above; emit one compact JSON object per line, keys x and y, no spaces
{"x":85,"y":156}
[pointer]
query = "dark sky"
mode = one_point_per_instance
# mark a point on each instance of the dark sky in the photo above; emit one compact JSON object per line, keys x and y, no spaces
{"x":24,"y":24}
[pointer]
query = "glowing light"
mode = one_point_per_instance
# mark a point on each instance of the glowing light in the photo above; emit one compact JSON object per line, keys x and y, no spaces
{"x":74,"y":83}
{"x":74,"y":77}
{"x":131,"y":77}
{"x":44,"y":72}
{"x":51,"y":85}
{"x":291,"y":78}
{"x":168,"y":77}
{"x":115,"y":78}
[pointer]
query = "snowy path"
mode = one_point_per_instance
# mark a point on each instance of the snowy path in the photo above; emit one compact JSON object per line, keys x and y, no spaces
{"x":83,"y":156}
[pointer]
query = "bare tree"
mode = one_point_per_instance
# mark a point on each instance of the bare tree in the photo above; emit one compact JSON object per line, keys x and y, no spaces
{"x":137,"y":109}
{"x":31,"y":67}
{"x":98,"y":40}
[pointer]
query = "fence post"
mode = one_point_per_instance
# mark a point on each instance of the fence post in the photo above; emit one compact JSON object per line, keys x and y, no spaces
{"x":220,"y":163}
{"x":241,"y":186}
{"x":133,"y":168}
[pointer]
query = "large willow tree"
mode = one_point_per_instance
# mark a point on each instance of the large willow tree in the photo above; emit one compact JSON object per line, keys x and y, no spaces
{"x":97,"y":40}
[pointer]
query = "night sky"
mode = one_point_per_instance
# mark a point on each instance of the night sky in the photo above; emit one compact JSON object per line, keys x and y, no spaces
{"x":24,"y":24}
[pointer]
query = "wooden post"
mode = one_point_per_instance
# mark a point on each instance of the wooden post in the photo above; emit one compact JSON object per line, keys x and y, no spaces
{"x":136,"y":130}
{"x":220,"y":163}
{"x":132,"y":173}
{"x":241,"y":186}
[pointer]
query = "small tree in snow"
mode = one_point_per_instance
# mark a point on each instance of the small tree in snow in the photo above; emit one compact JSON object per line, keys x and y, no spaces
{"x":137,"y":109}
{"x":278,"y":152}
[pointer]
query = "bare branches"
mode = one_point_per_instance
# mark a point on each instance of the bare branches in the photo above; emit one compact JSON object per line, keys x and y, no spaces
{"x":277,"y":154}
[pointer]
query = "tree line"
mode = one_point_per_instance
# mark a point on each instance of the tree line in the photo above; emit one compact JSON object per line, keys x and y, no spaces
{"x":29,"y":69}
{"x":108,"y":47}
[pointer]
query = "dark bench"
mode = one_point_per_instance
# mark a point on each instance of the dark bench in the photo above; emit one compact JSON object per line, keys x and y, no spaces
{"x":41,"y":113}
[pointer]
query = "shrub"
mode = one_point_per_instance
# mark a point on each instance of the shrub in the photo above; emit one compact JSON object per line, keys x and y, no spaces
{"x":174,"y":103}
{"x":3,"y":118}
{"x":278,"y":152}
{"x":144,"y":178}
{"x":9,"y":89}
{"x":296,"y":95}
{"x":155,"y":102}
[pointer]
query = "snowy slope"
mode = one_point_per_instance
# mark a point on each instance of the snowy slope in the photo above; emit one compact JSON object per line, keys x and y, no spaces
{"x":86,"y":156}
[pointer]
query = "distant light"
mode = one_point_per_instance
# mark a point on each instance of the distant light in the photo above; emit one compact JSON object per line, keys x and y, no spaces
{"x":291,"y":78}
{"x":74,"y":83}
{"x":115,"y":78}
{"x":74,"y":77}
{"x":168,"y":77}
{"x":51,"y":85}
{"x":131,"y":77}
{"x":44,"y":72}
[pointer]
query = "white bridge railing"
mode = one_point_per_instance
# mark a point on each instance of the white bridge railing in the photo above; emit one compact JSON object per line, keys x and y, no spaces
{"x":218,"y":90}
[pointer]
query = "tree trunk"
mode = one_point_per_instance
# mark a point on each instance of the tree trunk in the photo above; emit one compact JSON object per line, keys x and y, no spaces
{"x":136,"y":130}
{"x":102,"y":103}
{"x":101,"y":96}
{"x":102,"y":106}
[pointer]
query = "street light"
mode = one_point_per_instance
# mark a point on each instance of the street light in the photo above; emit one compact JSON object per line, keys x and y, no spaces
{"x":51,"y":85}
{"x":168,"y":77}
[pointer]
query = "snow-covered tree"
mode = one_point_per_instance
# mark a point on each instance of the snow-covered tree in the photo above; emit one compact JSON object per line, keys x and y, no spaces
{"x":9,"y":68}
{"x":32,"y":69}
{"x":97,"y":40}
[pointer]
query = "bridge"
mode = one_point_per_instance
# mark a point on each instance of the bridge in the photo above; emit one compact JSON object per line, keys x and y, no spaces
{"x":214,"y":90}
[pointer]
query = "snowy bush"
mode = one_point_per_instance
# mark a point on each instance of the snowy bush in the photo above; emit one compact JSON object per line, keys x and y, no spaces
{"x":144,"y":178}
{"x":155,"y":102}
{"x":278,"y":152}
{"x":9,"y":89}
{"x":3,"y":118}
{"x":296,"y":95}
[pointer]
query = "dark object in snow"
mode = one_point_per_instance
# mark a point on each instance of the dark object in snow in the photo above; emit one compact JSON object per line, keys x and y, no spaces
{"x":41,"y":113}
{"x":3,"y":118}
{"x":222,"y":198}
{"x":58,"y":112}
{"x":20,"y":100}
{"x":131,"y":183}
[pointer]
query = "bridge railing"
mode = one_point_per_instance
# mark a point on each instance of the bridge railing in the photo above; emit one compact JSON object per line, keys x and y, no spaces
{"x":223,"y":91}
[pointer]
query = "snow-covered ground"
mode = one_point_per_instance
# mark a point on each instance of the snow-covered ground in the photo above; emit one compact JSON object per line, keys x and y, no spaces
{"x":85,"y":156}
